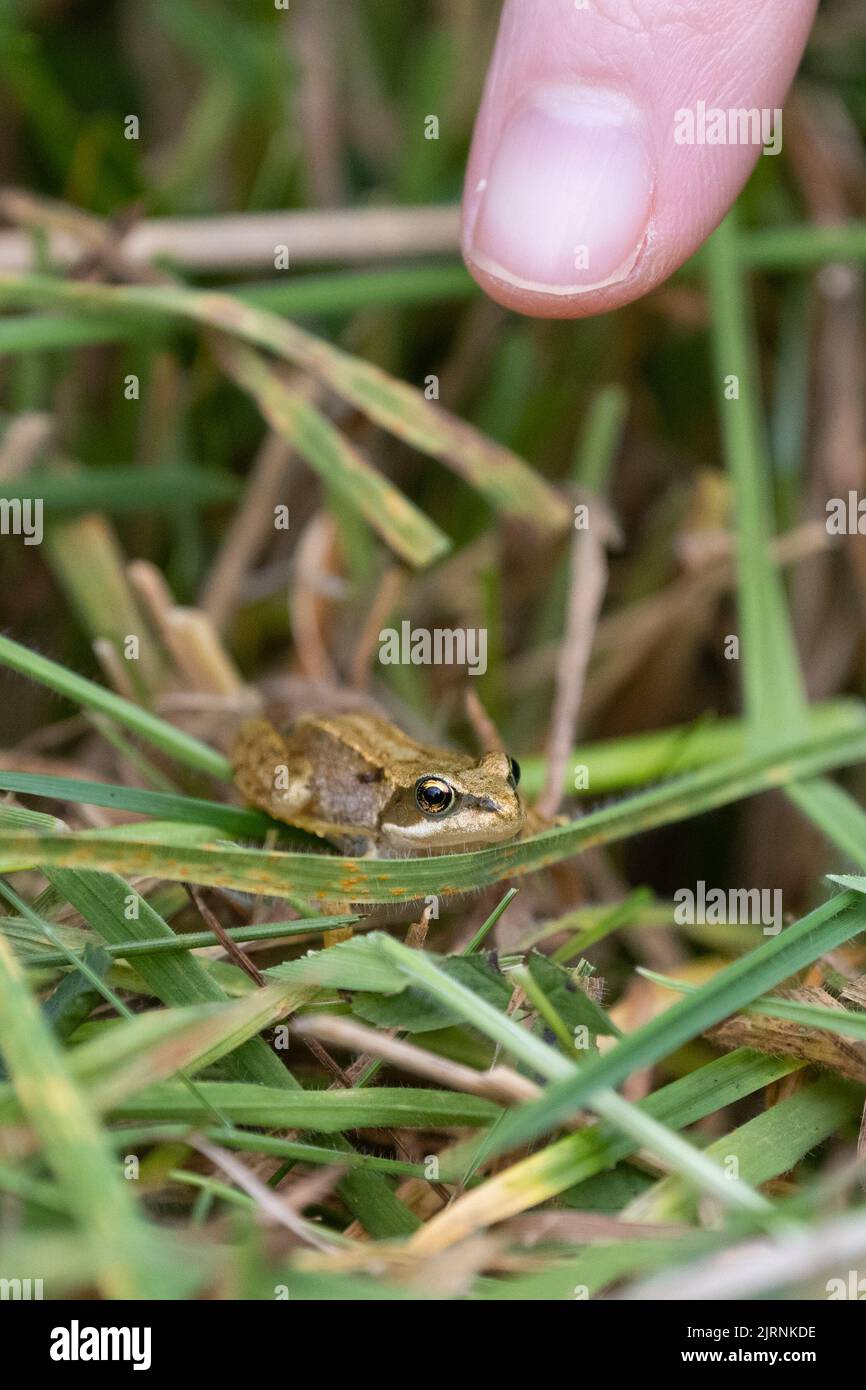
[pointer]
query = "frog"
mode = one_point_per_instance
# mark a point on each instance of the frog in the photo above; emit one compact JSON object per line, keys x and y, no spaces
{"x":359,"y":782}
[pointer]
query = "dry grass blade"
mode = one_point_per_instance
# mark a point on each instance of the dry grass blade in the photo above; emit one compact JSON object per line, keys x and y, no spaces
{"x":759,"y":1267}
{"x":339,"y":464}
{"x":783,"y":1037}
{"x":277,"y":1209}
{"x":508,"y":483}
{"x":500,"y":1083}
{"x":586,"y":595}
{"x":249,"y":528}
{"x":581,"y":1228}
{"x":245,"y":242}
{"x":196,"y":1045}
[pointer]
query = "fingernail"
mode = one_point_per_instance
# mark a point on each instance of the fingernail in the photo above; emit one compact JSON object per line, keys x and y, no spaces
{"x":566,"y":203}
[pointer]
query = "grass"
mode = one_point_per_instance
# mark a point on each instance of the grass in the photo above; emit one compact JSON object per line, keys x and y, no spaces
{"x":167,"y":953}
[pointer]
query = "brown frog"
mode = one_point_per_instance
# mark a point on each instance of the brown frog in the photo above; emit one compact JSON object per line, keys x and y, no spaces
{"x":360,"y":782}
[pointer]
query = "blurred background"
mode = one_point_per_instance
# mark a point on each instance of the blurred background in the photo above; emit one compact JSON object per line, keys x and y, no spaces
{"x":245,"y":109}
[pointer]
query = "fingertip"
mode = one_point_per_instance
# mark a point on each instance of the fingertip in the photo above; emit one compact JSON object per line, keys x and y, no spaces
{"x":547,"y":228}
{"x":581,"y":196}
{"x":540,"y":305}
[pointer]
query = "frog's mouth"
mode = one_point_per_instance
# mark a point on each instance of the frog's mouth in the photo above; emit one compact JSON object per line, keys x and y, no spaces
{"x":435,"y":837}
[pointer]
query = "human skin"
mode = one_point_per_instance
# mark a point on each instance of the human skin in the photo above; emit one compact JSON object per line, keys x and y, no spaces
{"x":578,"y":197}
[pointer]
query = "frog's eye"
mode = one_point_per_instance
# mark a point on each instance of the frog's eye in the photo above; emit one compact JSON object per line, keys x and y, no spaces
{"x":514,"y":772}
{"x":434,"y":795}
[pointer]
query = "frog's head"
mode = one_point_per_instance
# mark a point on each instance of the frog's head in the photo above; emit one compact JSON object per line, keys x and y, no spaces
{"x":448,"y":806}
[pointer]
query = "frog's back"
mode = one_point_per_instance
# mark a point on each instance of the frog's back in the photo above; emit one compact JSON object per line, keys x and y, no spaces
{"x":381,"y":744}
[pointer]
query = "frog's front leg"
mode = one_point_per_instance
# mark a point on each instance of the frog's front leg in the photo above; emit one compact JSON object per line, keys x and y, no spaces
{"x":354,"y":846}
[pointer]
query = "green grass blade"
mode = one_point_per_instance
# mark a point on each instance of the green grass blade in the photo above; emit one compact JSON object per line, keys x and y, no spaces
{"x":835,"y":813}
{"x":773,"y":686}
{"x":617,"y":764}
{"x":89,"y":695}
{"x":193,"y":940}
{"x":170,"y":806}
{"x":324,"y":1112}
{"x":802,"y":248}
{"x":119,"y":489}
{"x":277,"y":1147}
{"x":771,"y":1143}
